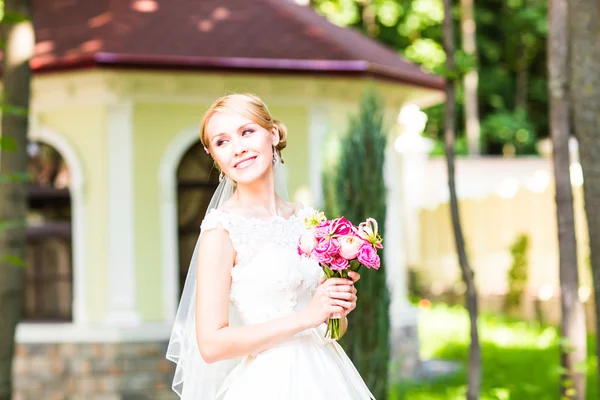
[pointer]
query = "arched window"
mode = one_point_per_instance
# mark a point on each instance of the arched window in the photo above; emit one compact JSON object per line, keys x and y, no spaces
{"x":49,"y":272}
{"x":197,"y":179}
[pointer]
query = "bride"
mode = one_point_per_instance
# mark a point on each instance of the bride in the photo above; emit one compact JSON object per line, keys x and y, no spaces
{"x":252,"y":316}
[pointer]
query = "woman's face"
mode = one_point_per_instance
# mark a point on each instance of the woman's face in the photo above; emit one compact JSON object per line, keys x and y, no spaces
{"x":242,"y":148}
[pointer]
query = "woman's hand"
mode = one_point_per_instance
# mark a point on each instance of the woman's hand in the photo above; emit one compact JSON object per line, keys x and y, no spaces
{"x":345,"y":296}
{"x":323,"y":304}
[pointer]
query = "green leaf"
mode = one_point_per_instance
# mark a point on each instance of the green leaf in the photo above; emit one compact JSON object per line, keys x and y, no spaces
{"x":328,"y":272}
{"x":13,"y":110}
{"x":7,"y":143}
{"x":570,"y":392}
{"x":465,"y":62}
{"x":14,"y":177}
{"x":14,"y":260}
{"x":13,"y":18}
{"x":12,"y":224}
{"x":354,"y":265}
{"x":447,"y":73}
{"x":581,"y":367}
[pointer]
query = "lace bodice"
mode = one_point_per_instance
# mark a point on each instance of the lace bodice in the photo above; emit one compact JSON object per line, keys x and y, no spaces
{"x":270,"y":279}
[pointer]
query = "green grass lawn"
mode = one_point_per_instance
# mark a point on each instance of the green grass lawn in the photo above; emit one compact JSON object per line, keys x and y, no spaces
{"x":520,"y":360}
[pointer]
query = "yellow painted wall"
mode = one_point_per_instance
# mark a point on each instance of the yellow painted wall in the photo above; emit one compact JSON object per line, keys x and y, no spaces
{"x":296,"y":153}
{"x":155,"y":125}
{"x":84,"y":128}
{"x":165,"y":104}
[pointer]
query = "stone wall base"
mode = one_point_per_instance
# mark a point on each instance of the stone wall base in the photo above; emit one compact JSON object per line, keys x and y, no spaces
{"x":140,"y":371}
{"x":404,"y":341}
{"x":90,"y":371}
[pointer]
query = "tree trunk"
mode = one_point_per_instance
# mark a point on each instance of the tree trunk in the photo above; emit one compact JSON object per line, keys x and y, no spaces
{"x":574,"y":347}
{"x":19,"y":39}
{"x":522,"y":80}
{"x":471,"y":79}
{"x":584,"y":51}
{"x":474,"y":370}
{"x":524,"y":59}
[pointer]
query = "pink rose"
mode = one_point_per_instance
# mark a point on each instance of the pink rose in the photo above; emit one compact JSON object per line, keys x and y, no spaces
{"x":341,"y":227}
{"x":350,"y":246}
{"x":330,"y":247}
{"x":368,"y":257}
{"x":325,"y":250}
{"x":323,"y":230}
{"x":322,"y":258}
{"x":338,"y":263}
{"x":307,"y":243}
{"x":334,"y":248}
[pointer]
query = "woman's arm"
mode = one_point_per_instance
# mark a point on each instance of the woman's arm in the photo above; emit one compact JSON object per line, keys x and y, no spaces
{"x":216,"y":339}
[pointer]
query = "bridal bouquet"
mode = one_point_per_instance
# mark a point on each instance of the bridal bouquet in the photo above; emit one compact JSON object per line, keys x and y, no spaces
{"x":339,"y":247}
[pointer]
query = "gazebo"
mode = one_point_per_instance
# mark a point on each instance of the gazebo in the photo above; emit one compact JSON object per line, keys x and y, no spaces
{"x":120,"y":182}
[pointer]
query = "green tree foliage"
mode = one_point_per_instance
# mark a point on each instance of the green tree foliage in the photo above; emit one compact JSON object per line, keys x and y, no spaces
{"x":356,"y":190}
{"x":518,"y":273}
{"x":511,"y":46}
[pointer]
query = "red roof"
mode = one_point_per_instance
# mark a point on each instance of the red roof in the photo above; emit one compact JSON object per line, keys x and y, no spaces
{"x":262,"y":35}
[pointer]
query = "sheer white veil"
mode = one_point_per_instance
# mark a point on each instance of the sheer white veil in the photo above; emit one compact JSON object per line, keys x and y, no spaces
{"x":194,"y":379}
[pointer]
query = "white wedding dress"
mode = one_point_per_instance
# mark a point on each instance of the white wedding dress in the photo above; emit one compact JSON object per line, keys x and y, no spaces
{"x":271,"y":280}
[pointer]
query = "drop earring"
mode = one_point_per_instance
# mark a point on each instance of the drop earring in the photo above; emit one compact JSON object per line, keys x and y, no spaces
{"x":221,"y":176}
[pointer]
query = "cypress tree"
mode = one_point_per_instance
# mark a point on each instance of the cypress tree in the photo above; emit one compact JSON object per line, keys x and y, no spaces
{"x":355,"y":189}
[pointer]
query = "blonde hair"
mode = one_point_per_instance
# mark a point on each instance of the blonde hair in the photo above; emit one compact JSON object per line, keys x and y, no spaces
{"x":248,"y":106}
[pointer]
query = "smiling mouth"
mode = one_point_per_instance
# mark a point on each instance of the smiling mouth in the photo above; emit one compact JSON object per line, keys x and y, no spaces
{"x":244,"y":163}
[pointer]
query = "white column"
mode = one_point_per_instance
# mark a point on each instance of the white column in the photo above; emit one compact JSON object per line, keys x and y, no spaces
{"x":413,"y":150}
{"x":401,"y":228}
{"x":394,"y":244}
{"x":80,"y":301}
{"x":169,"y":239}
{"x":170,"y":243}
{"x":121,"y":257}
{"x":317,"y":131}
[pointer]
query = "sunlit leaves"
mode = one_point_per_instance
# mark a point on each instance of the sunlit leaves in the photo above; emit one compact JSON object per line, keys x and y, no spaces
{"x":511,"y":43}
{"x":422,"y":14}
{"x":426,"y":52}
{"x":340,"y":12}
{"x":388,"y":12}
{"x":515,"y":4}
{"x":430,"y":10}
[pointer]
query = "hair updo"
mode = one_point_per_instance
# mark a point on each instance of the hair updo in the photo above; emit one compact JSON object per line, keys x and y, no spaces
{"x":248,"y":106}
